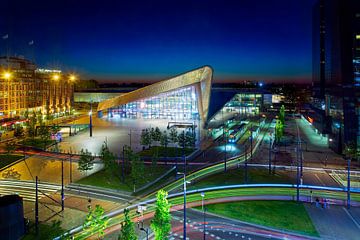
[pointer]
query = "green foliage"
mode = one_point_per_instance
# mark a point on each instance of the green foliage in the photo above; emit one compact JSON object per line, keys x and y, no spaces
{"x":182,"y":139}
{"x":31,"y":125}
{"x":19,"y":131}
{"x":282,"y":115}
{"x":156,"y":135}
{"x":54,"y":129}
{"x":279,"y":130}
{"x":190,"y":139}
{"x":351,"y":150}
{"x":161,"y":223}
{"x":137,"y":167}
{"x":95,"y":221}
{"x":108,"y":159}
{"x":164,"y":139}
{"x":127,"y":228}
{"x":10,"y":147}
{"x":86,"y":161}
{"x":44,"y":134}
{"x":173,"y":136}
{"x":145,"y":138}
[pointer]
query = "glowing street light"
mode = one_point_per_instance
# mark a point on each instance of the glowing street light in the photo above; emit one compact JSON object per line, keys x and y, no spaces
{"x":56,"y":77}
{"x":7,"y":75}
{"x":72,"y":77}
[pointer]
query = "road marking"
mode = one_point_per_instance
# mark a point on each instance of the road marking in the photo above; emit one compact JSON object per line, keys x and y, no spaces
{"x":322,"y":183}
{"x":352,"y":218}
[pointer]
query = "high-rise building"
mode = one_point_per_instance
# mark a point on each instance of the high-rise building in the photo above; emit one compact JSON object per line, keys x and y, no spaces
{"x":336,"y":75}
{"x":24,"y":87}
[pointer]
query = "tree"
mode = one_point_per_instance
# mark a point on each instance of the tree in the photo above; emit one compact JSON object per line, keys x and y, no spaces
{"x":182,"y":139}
{"x":190,"y":139}
{"x":145,"y":138}
{"x":86,"y":161}
{"x":173,"y":136}
{"x":164,"y":141}
{"x":279,"y":129}
{"x":161,"y":223}
{"x":127,"y":228}
{"x":10,"y":147}
{"x":19,"y":131}
{"x":351,"y":151}
{"x":152,"y":134}
{"x":108,"y":159}
{"x":32,"y":125}
{"x":137,"y":168}
{"x":44,"y":134}
{"x":95,"y":221}
{"x":54,"y":129}
{"x":157,"y":134}
{"x":282,"y":115}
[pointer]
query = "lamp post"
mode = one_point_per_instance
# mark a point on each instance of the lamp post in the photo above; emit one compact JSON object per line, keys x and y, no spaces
{"x":7,"y":76}
{"x":203,"y":209}
{"x":348,"y":182}
{"x":90,"y":116}
{"x":184,"y":234}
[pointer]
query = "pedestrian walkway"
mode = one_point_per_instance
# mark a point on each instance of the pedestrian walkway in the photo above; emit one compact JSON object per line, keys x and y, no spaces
{"x":335,"y":222}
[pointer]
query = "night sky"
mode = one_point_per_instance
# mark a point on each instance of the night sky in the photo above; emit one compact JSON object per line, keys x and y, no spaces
{"x":150,"y":40}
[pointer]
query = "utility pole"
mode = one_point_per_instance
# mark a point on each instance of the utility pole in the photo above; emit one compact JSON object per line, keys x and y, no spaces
{"x":246,"y":173}
{"x":62,"y":185}
{"x":123,"y":165}
{"x":225,"y":161}
{"x":348,"y":182}
{"x":70,"y":167}
{"x":36,"y":207}
{"x":90,"y":115}
{"x":297,"y":174}
{"x":270,"y":146}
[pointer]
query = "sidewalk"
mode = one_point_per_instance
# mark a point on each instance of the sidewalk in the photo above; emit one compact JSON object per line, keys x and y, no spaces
{"x":335,"y":222}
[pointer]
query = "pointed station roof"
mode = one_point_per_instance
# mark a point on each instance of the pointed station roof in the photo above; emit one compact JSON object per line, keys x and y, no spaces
{"x":200,"y":78}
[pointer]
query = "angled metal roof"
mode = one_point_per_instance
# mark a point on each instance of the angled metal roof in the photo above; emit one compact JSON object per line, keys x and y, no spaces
{"x":200,"y":78}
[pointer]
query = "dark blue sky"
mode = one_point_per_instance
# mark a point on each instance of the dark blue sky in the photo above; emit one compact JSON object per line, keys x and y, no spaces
{"x":146,"y":40}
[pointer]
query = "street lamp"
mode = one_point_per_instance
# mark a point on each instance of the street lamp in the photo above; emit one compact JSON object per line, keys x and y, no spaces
{"x":90,"y":120}
{"x":7,"y":75}
{"x":56,"y":77}
{"x":72,"y":77}
{"x":180,"y":173}
{"x":203,"y":209}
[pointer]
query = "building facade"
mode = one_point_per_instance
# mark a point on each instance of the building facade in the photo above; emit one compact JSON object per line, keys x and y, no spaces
{"x":24,"y":87}
{"x":336,"y":64}
{"x":184,"y":97}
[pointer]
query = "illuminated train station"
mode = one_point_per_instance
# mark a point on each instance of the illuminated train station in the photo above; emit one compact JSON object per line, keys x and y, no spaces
{"x":188,"y":97}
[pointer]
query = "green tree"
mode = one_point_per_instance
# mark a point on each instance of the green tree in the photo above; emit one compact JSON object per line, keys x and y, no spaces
{"x":182,"y":139}
{"x":10,"y":147}
{"x":161,"y":223}
{"x":44,"y":134}
{"x":108,"y":159}
{"x":86,"y":161}
{"x":279,"y":129}
{"x":19,"y":131}
{"x":127,"y":231}
{"x":54,"y":129}
{"x":282,"y":115}
{"x":156,"y":134}
{"x":351,"y":151}
{"x":31,"y":125}
{"x":173,"y":136}
{"x":95,"y":221}
{"x":190,"y":139}
{"x":164,"y":142}
{"x":137,"y":168}
{"x":145,"y":138}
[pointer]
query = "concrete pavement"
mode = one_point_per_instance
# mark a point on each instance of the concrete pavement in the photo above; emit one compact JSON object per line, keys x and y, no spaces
{"x":335,"y":222}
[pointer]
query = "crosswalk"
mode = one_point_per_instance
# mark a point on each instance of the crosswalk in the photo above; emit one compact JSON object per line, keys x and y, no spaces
{"x":26,"y":189}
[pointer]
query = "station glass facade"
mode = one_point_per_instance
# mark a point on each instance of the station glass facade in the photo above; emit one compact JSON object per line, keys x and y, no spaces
{"x":181,"y":104}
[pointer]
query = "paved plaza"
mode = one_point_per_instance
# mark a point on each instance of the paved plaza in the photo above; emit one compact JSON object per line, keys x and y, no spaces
{"x":116,"y":131}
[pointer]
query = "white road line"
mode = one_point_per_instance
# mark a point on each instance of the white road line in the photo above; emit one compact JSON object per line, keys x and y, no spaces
{"x":352,"y":218}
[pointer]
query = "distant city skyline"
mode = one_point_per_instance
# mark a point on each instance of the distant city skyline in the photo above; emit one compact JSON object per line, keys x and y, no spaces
{"x":139,"y":41}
